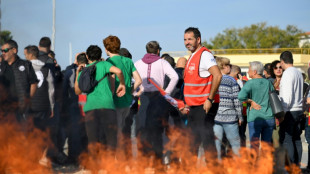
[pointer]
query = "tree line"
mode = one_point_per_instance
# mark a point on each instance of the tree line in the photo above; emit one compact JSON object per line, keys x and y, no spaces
{"x":257,"y":36}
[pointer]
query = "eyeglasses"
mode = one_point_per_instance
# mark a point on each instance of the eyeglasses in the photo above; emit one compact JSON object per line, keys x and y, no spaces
{"x":277,"y":67}
{"x":5,"y":50}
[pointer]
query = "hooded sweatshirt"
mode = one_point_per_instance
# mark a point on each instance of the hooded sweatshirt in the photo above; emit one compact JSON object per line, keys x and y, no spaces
{"x":157,"y":69}
{"x":37,"y":65}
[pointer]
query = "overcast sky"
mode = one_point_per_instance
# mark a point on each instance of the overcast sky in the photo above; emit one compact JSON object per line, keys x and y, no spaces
{"x":135,"y":22}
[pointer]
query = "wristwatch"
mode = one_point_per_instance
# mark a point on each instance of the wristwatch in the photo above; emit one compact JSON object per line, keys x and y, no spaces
{"x":211,"y":100}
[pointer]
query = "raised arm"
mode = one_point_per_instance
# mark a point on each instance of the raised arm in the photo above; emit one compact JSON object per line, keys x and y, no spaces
{"x":77,"y":90}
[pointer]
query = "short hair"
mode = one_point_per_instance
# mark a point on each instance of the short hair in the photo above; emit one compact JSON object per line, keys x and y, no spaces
{"x":170,"y":60}
{"x":194,"y":30}
{"x":257,"y":66}
{"x":45,"y":42}
{"x":267,"y":68}
{"x":12,"y":44}
{"x":93,"y":52}
{"x":112,"y":44}
{"x":287,"y":57}
{"x":152,"y":47}
{"x":272,"y":66}
{"x":124,"y":52}
{"x":33,"y":50}
{"x":81,"y":59}
{"x":222,"y":61}
{"x":235,"y":68}
{"x":165,"y":55}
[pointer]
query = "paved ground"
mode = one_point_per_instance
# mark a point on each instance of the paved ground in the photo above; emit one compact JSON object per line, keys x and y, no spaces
{"x":304,"y":160}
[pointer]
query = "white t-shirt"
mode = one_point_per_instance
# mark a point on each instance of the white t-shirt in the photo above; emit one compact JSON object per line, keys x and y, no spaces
{"x":291,"y":85}
{"x":207,"y":61}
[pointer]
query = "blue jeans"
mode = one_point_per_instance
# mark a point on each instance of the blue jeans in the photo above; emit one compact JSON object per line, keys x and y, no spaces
{"x":290,"y":135}
{"x":232,"y":134}
{"x":260,"y":129}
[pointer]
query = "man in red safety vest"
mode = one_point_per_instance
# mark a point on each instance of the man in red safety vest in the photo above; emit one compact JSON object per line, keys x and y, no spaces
{"x":201,"y":81}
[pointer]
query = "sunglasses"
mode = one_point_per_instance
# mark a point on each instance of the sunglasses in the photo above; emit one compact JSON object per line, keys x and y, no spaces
{"x":277,"y":67}
{"x":6,"y":50}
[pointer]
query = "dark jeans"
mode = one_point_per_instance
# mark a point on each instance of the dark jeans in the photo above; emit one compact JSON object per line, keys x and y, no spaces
{"x":290,"y":135}
{"x":201,"y":126}
{"x":242,"y":130}
{"x":73,"y":130}
{"x":151,"y":120}
{"x":41,"y":120}
{"x":127,"y":129}
{"x":101,"y":127}
{"x":307,"y":135}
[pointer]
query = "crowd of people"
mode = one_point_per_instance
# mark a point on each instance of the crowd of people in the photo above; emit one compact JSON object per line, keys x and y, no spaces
{"x":219,"y":101}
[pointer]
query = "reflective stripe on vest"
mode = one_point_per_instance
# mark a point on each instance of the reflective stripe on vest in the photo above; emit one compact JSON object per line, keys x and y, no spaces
{"x":196,"y":88}
{"x":192,"y":84}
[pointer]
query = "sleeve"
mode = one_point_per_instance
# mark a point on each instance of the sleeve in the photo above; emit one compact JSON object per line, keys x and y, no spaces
{"x":32,"y":75}
{"x":244,"y":93}
{"x":207,"y":61}
{"x":240,"y":83}
{"x":237,"y":103}
{"x":286,"y":92}
{"x":51,"y":89}
{"x":174,"y":78}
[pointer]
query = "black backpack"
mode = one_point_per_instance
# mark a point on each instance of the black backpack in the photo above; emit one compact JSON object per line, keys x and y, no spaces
{"x":87,"y":79}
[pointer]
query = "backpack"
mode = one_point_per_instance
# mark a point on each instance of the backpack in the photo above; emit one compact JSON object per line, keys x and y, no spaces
{"x":305,"y":106}
{"x":87,"y":80}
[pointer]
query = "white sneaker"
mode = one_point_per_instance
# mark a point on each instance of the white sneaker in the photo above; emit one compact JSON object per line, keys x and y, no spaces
{"x":44,"y":161}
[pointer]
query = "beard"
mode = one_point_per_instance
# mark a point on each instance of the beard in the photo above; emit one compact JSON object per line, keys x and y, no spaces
{"x":191,"y":48}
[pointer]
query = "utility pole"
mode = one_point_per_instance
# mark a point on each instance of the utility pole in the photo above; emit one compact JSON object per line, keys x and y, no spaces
{"x":0,"y":17}
{"x":54,"y":27}
{"x":70,"y":53}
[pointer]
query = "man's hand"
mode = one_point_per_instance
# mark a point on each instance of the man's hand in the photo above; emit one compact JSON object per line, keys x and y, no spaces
{"x":240,"y":122}
{"x":184,"y":110}
{"x":121,"y":90}
{"x":52,"y":114}
{"x":207,"y":105}
{"x":79,"y":69}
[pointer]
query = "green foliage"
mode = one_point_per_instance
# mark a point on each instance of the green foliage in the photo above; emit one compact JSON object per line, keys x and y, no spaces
{"x":207,"y":45}
{"x":5,"y":36}
{"x":256,"y":36}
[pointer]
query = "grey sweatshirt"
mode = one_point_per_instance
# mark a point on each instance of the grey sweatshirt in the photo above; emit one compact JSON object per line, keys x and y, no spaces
{"x":37,"y":65}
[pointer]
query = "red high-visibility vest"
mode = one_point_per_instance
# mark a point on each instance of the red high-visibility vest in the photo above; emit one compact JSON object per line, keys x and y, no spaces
{"x":196,"y":88}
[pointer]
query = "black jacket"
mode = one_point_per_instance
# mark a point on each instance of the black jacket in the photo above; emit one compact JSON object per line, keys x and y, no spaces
{"x":23,"y":77}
